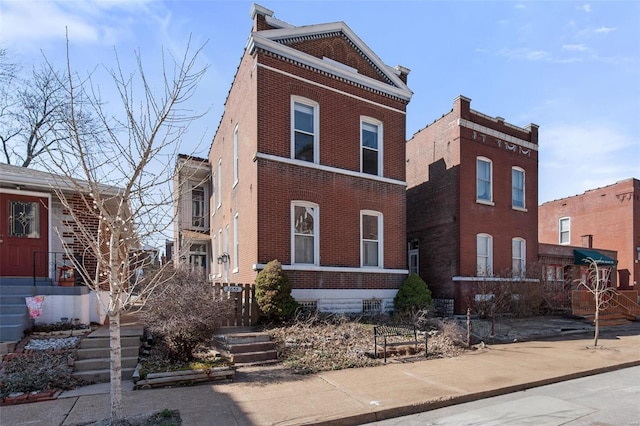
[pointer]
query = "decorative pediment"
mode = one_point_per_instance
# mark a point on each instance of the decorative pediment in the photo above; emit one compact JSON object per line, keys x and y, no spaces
{"x":333,"y":48}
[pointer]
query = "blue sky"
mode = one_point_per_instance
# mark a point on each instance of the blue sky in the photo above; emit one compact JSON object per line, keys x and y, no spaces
{"x":572,"y":67}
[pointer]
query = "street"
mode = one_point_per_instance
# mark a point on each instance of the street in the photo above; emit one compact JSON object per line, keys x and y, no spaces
{"x":605,"y":399}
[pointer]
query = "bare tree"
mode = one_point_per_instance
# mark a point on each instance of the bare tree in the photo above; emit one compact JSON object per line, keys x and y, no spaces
{"x":34,"y":111}
{"x":121,"y":176}
{"x":596,"y":282}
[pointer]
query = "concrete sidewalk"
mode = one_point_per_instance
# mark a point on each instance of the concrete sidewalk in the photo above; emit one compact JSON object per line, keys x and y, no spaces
{"x":269,"y":395}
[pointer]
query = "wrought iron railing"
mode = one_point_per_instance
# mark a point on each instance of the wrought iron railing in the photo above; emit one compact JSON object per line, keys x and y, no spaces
{"x":47,"y":265}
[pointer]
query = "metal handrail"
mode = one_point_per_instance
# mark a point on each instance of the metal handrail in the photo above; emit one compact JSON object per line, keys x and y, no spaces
{"x":49,"y":262}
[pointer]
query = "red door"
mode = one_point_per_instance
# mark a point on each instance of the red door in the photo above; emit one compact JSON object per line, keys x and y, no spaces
{"x":24,"y":235}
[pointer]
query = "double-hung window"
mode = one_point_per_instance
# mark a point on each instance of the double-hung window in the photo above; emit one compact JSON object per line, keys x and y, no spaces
{"x":484,"y":255}
{"x":198,"y":211}
{"x":219,"y":183}
{"x":371,"y":228}
{"x":236,"y":242}
{"x":371,"y":141}
{"x":304,"y":231}
{"x":235,"y":155}
{"x":304,"y":125}
{"x":484,"y":180}
{"x":518,"y":258}
{"x":517,"y":188}
{"x":564,"y":230}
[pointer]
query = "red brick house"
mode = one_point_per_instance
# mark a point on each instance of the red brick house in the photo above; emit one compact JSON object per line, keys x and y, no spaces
{"x":471,"y":201}
{"x":308,"y":167}
{"x":34,"y":227}
{"x":607,"y":217}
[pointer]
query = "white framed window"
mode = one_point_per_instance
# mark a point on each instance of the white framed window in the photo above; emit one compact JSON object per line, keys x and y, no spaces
{"x":219,"y":183}
{"x":371,"y":144}
{"x":236,"y":242}
{"x":305,"y":229}
{"x":372,"y":241}
{"x":219,"y":252}
{"x":214,"y":255}
{"x":198,"y":207}
{"x":484,"y":179}
{"x":517,"y":188}
{"x":235,"y":155}
{"x":484,"y":255}
{"x":198,"y":258}
{"x":518,"y":257}
{"x":213,"y":194}
{"x":564,"y":230}
{"x":304,"y":129}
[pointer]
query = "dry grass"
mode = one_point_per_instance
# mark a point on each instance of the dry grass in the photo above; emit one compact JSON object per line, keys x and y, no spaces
{"x":329,"y":342}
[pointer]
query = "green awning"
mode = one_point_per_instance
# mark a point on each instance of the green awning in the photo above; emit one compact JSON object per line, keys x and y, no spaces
{"x":582,"y":257}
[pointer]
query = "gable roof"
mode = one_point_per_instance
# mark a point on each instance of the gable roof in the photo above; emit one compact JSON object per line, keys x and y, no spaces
{"x":276,"y":41}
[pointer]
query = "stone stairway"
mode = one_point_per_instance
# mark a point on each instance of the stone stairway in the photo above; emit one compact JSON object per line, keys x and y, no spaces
{"x":246,"y":347}
{"x":92,"y":365}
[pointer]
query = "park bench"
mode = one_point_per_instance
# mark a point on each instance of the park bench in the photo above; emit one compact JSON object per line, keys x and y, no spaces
{"x":395,"y":335}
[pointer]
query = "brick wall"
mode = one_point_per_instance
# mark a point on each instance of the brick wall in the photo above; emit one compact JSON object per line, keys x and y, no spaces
{"x":611,"y":215}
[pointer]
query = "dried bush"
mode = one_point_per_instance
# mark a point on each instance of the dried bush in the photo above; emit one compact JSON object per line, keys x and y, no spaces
{"x":320,"y":342}
{"x":412,"y":296}
{"x":186,"y":312}
{"x":37,"y":371}
{"x":273,"y":293}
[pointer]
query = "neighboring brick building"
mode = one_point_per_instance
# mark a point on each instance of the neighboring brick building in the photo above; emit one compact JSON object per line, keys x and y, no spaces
{"x":308,"y":166}
{"x":472,"y":201}
{"x":192,"y":190}
{"x":607,"y":217}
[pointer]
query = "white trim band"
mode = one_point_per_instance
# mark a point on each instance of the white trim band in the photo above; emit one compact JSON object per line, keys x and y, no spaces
{"x":310,"y":165}
{"x":316,"y":268}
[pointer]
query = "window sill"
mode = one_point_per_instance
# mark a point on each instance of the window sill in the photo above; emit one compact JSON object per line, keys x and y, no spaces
{"x":519,"y":209}
{"x":485,"y":202}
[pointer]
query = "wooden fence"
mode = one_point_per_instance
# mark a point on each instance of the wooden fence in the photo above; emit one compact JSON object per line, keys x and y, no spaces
{"x":243,"y":298}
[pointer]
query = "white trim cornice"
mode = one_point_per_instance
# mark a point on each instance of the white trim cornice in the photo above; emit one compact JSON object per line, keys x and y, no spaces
{"x":495,"y":279}
{"x":316,"y":268}
{"x":300,"y":163}
{"x":361,"y":99}
{"x":267,"y":40}
{"x":500,"y":135}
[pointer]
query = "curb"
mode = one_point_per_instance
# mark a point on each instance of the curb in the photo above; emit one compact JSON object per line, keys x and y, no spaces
{"x":389,"y":413}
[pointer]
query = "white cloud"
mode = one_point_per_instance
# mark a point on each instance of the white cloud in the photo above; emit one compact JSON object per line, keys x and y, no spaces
{"x":30,"y":23}
{"x":575,"y":47}
{"x":604,"y":30}
{"x":577,"y":157}
{"x":585,"y":8}
{"x":526,"y":53}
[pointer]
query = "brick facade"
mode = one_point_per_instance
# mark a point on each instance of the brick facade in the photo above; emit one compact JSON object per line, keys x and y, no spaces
{"x":608,"y":218}
{"x":318,"y":65}
{"x":444,"y":215}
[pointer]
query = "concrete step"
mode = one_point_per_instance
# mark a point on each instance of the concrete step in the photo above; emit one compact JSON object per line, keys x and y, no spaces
{"x":254,"y":357}
{"x":102,"y":363}
{"x":11,"y":332}
{"x":103,"y":342}
{"x":101,"y":375}
{"x":13,"y":308}
{"x":244,"y":338}
{"x":91,"y":353}
{"x":252,"y":347}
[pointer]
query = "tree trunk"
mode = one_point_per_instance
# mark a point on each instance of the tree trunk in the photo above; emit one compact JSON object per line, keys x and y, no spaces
{"x":469,"y":333}
{"x":596,"y":321}
{"x":115,"y":366}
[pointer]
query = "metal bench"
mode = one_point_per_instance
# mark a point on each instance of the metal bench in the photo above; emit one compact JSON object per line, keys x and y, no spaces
{"x":388,"y":331}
